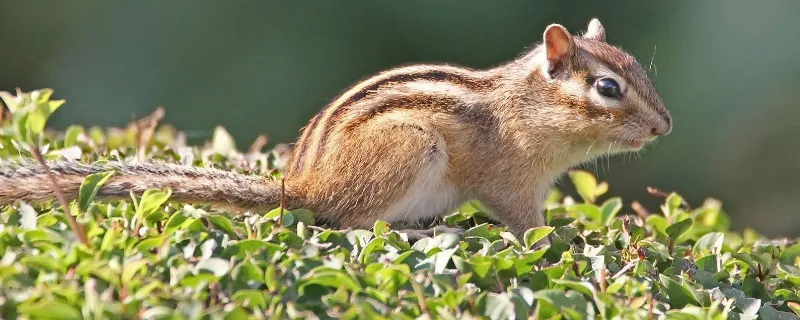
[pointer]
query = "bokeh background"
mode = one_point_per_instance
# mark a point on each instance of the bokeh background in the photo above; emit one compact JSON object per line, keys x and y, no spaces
{"x":729,"y":70}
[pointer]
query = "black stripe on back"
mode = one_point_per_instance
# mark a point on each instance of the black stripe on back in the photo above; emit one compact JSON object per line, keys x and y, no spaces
{"x":429,"y":75}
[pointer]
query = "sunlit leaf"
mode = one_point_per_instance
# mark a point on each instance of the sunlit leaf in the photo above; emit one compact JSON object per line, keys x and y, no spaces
{"x":532,"y":236}
{"x":585,"y":183}
{"x":90,"y":187}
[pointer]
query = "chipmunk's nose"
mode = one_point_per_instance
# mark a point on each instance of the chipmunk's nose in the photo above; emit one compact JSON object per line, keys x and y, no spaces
{"x":662,"y":127}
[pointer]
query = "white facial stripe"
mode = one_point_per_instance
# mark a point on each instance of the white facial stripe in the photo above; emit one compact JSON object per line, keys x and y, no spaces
{"x":599,"y":71}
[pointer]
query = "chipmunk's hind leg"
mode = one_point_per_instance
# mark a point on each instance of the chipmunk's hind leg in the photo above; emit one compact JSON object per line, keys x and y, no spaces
{"x":392,"y":169}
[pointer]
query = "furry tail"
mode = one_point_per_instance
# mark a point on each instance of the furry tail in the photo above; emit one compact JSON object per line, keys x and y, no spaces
{"x":222,"y":189}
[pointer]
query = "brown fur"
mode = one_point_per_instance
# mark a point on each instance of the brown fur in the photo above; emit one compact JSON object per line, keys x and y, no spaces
{"x":227,"y":190}
{"x":416,"y":141}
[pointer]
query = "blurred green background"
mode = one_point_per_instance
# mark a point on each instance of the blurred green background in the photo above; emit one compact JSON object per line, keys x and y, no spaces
{"x":729,"y":70}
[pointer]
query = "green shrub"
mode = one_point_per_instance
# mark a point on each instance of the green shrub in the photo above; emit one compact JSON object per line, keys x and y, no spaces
{"x":154,"y":258}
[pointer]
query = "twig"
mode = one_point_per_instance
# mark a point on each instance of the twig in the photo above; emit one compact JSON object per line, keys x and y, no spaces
{"x":60,"y":196}
{"x":671,"y":245}
{"x":662,"y":194}
{"x":624,"y":269}
{"x":145,"y":128}
{"x":258,"y":144}
{"x":640,"y":209}
{"x":603,"y":275}
{"x":658,"y":193}
{"x":283,"y":192}
{"x":423,"y":305}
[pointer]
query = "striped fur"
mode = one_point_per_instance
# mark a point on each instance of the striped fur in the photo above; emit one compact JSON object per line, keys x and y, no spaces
{"x":314,"y":135}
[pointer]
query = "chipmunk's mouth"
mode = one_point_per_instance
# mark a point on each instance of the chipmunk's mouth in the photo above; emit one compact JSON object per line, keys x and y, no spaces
{"x":629,"y":144}
{"x":638,"y":144}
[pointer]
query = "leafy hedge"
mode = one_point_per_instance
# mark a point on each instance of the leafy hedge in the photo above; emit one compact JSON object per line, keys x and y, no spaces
{"x":153,"y":258}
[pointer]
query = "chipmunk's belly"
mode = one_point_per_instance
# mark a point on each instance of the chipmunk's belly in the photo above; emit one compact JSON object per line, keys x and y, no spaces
{"x":430,"y":195}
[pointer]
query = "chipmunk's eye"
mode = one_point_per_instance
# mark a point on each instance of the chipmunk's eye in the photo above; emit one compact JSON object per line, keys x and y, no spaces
{"x":608,"y":87}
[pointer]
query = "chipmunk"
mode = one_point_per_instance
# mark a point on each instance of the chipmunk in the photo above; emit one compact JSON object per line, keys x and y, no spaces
{"x":417,"y":141}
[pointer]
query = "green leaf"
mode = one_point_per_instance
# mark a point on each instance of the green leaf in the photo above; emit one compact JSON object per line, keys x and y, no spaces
{"x":610,"y":209}
{"x":770,"y":313}
{"x":304,"y":216}
{"x":583,"y":287}
{"x":790,"y":254}
{"x":565,"y":301}
{"x":47,"y":220}
{"x":150,"y":243}
{"x":224,"y":223}
{"x":28,"y":215}
{"x":331,"y":279}
{"x":794,"y":306}
{"x":130,"y":269}
{"x":679,"y":294}
{"x":12,"y":102}
{"x":109,"y":239}
{"x":711,"y":242}
{"x":222,"y":142}
{"x":380,"y":228}
{"x":71,"y":135}
{"x":437,"y":262}
{"x":247,"y":274}
{"x":496,"y":306}
{"x":527,"y":261}
{"x":658,"y":223}
{"x":678,"y":228}
{"x":588,"y":210}
{"x":41,"y":262}
{"x":50,"y":309}
{"x":585,"y":184}
{"x":483,"y":230}
{"x":175,"y":221}
{"x":251,"y":246}
{"x":532,"y":236}
{"x":672,"y":205}
{"x":89,"y":188}
{"x":250,"y":298}
{"x":270,"y":278}
{"x":218,"y":267}
{"x":748,"y":306}
{"x":274,"y":214}
{"x":151,"y":201}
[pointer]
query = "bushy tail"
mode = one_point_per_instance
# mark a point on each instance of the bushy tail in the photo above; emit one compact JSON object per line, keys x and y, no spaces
{"x":226,"y":190}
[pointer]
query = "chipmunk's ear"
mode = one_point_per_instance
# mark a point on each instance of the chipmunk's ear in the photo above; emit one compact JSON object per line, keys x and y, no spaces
{"x":559,"y":48}
{"x":595,"y":31}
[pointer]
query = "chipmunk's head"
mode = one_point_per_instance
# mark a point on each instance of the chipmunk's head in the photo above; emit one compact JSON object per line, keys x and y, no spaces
{"x":598,"y":92}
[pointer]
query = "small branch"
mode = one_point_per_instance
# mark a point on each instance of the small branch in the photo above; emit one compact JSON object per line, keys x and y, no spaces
{"x":624,"y":269}
{"x":145,"y":128}
{"x":258,"y":144}
{"x":640,"y":209}
{"x":79,"y":233}
{"x":658,"y":193}
{"x":283,"y":193}
{"x":423,"y":305}
{"x":603,"y":275}
{"x":671,"y":245}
